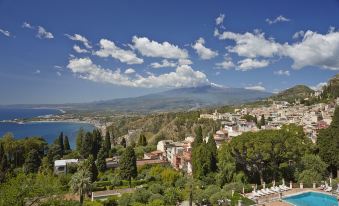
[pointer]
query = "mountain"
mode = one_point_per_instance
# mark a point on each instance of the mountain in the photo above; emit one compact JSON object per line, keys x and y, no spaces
{"x":178,"y":99}
{"x":296,"y":92}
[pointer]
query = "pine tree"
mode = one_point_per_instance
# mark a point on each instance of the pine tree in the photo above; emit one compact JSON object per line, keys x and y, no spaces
{"x":128,"y":165}
{"x":212,"y":147}
{"x":61,"y":142}
{"x":32,"y":162}
{"x":101,"y":160}
{"x":67,"y":147}
{"x":123,"y":142}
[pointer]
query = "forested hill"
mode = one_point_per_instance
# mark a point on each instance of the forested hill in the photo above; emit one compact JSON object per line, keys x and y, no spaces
{"x":291,"y":94}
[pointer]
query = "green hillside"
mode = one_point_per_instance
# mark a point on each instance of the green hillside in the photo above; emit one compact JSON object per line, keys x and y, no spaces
{"x":297,"y":92}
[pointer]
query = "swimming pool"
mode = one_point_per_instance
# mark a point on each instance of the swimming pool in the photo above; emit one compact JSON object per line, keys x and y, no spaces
{"x":312,"y":199}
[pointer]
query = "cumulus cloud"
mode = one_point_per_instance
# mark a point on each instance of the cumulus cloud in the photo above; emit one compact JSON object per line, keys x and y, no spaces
{"x":150,"y":48}
{"x":5,"y":32}
{"x":27,"y":25}
{"x":108,"y":48}
{"x":184,"y":62}
{"x":319,"y":86}
{"x":202,"y":51}
{"x":129,"y":71}
{"x":226,"y":64}
{"x":220,"y":19}
{"x":282,"y":73}
{"x":321,"y":50}
{"x":298,"y":34}
{"x":183,"y":76}
{"x":256,"y":88}
{"x":163,"y":63}
{"x":43,"y":34}
{"x":250,"y":44}
{"x":248,"y":64}
{"x":79,"y":50}
{"x":82,"y":39}
{"x":277,"y":19}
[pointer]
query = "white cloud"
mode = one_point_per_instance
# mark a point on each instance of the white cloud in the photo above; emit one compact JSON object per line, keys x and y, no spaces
{"x":4,"y":32}
{"x":27,"y":25}
{"x":58,"y":67}
{"x":248,"y":64}
{"x":43,"y":34}
{"x":256,"y":88}
{"x":220,"y":19}
{"x":319,"y":86}
{"x":282,"y":72}
{"x":315,"y":49}
{"x":320,"y":50}
{"x":226,"y":64}
{"x":184,"y":62}
{"x":298,"y":34}
{"x":78,"y":37}
{"x":129,"y":71}
{"x":108,"y":48}
{"x":37,"y":71}
{"x":202,"y":51}
{"x":152,"y":48}
{"x":250,"y":44}
{"x":183,"y":76}
{"x":59,"y":73}
{"x":164,"y":63}
{"x":278,"y":19}
{"x":79,"y":50}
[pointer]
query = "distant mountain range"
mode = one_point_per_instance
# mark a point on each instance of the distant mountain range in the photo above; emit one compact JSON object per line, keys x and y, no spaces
{"x":178,"y":99}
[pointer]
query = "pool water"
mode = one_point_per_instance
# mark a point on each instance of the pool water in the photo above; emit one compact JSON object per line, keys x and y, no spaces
{"x":312,"y":199}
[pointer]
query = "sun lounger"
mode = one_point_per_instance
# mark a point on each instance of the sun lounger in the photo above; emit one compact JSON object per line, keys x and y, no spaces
{"x":261,"y":193}
{"x":282,"y":188}
{"x":328,"y":189}
{"x":269,"y":191}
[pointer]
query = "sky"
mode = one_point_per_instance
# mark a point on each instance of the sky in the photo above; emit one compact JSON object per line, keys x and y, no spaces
{"x":81,"y":51}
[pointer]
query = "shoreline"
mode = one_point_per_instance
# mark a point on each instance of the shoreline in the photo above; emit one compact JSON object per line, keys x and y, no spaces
{"x":49,"y":121}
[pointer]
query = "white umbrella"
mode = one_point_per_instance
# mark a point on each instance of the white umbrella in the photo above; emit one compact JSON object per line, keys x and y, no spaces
{"x":264,"y":185}
{"x":283,"y":181}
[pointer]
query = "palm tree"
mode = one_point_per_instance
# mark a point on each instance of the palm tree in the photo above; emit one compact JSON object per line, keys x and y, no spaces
{"x":81,"y":180}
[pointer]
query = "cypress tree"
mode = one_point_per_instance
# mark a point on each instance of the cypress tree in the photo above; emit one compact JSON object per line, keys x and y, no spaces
{"x":198,"y":136}
{"x":79,"y":140}
{"x":212,"y":147}
{"x":123,"y":142}
{"x":107,"y":142}
{"x":128,"y":165}
{"x":93,"y":168}
{"x":142,"y":140}
{"x":3,"y":163}
{"x":67,"y":147}
{"x":101,"y":160}
{"x":61,"y":142}
{"x":262,"y":120}
{"x":87,"y":145}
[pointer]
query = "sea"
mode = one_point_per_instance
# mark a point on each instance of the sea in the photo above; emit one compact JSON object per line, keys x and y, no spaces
{"x":48,"y":130}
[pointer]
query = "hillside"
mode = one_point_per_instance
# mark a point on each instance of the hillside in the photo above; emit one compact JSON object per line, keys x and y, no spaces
{"x":297,"y":92}
{"x":331,"y":90}
{"x":177,"y":100}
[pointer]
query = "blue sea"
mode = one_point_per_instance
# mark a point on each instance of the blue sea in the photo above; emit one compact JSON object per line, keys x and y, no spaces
{"x":48,"y":130}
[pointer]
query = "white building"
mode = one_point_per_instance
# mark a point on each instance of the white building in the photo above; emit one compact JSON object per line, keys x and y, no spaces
{"x":60,"y":166}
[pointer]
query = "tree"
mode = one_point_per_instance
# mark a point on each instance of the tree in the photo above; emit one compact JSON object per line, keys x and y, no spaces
{"x":262,"y":120}
{"x":79,"y":139}
{"x":32,"y":162}
{"x":328,"y":142}
{"x":226,"y":165}
{"x":93,"y":168}
{"x":123,"y":142}
{"x":101,"y":160}
{"x":3,"y":163}
{"x":198,"y":136}
{"x":142,"y":140}
{"x":87,"y":145}
{"x":312,"y":169}
{"x":128,"y":165}
{"x":212,"y":146}
{"x":67,"y":147}
{"x":61,"y":142}
{"x":81,"y":181}
{"x":96,"y":142}
{"x":107,"y":142}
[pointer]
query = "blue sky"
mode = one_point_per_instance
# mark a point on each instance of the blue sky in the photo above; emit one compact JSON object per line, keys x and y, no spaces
{"x":79,"y":51}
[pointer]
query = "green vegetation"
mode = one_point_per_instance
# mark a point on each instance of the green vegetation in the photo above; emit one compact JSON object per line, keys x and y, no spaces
{"x":298,"y":92}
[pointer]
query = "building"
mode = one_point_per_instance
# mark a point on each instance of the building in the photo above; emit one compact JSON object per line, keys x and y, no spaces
{"x":60,"y":166}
